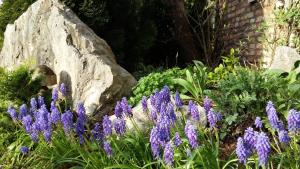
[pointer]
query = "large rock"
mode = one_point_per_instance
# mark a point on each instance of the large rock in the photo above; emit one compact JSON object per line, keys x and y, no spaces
{"x":284,"y":58}
{"x":51,"y":35}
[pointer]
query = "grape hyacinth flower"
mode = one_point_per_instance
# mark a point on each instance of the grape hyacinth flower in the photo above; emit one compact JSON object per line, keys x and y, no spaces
{"x":284,"y":137}
{"x":207,"y":104}
{"x":163,"y":127}
{"x":126,"y":107}
{"x":12,"y":112}
{"x":55,"y":115}
{"x":272,"y":115}
{"x":154,"y":141}
{"x":263,"y":148}
{"x":27,"y":122}
{"x":34,"y":133}
{"x":293,"y":120}
{"x":47,"y":133}
{"x":23,"y":111}
{"x":24,"y":150}
{"x":67,"y":121}
{"x":177,"y":140}
{"x":191,"y":134}
{"x":168,"y":154}
{"x":212,"y":118}
{"x":41,"y":101}
{"x":178,"y":101}
{"x":165,"y":94}
{"x":33,"y":105}
{"x":144,"y":104}
{"x":107,"y":148}
{"x":107,"y":125}
{"x":193,"y":111}
{"x":118,"y":110}
{"x":153,"y":115}
{"x":258,"y":122}
{"x":171,"y":113}
{"x":250,"y":138}
{"x":63,"y":90}
{"x":96,"y":132}
{"x":54,"y":94}
{"x":242,"y":151}
{"x":120,"y":126}
{"x":42,"y":117}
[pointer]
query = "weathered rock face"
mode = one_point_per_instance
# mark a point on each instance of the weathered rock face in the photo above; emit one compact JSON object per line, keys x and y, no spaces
{"x":284,"y":58}
{"x":52,"y":35}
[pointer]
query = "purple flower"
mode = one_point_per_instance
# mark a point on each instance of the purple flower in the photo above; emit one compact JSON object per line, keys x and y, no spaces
{"x":107,"y":125}
{"x":67,"y":121}
{"x":41,"y":101}
{"x":168,"y":154}
{"x":284,"y":137}
{"x":107,"y":148}
{"x":263,"y":148}
{"x":258,"y":122}
{"x":171,"y":113}
{"x":55,"y":115}
{"x":154,"y":141}
{"x":34,"y":133}
{"x":250,"y":138}
{"x":153,"y":115}
{"x":63,"y":90}
{"x":212,"y":118}
{"x":126,"y":107}
{"x":178,"y":101}
{"x":42,"y":117}
{"x":12,"y":112}
{"x":54,"y":94}
{"x":47,"y":134}
{"x":293,"y":120}
{"x":207,"y":104}
{"x":165,"y":94}
{"x":272,"y":115}
{"x":96,"y":132}
{"x":23,"y":111}
{"x":81,"y":112}
{"x":144,"y":104}
{"x":193,"y":110}
{"x":191,"y":134}
{"x":27,"y":122}
{"x":242,"y":151}
{"x":163,"y":127}
{"x":118,"y":110}
{"x":33,"y":105}
{"x":177,"y":140}
{"x":120,"y":126}
{"x":24,"y":150}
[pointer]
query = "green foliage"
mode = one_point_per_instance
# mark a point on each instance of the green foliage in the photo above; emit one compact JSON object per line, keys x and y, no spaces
{"x":154,"y":81}
{"x":194,"y":81}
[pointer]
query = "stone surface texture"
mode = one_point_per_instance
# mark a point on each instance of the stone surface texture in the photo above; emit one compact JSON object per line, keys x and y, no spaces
{"x":50,"y":34}
{"x":284,"y":58}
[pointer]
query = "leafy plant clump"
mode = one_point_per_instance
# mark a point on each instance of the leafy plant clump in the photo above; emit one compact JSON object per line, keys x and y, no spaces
{"x":154,"y":81}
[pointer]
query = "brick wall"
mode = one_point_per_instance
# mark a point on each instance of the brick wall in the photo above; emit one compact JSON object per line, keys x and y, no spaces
{"x":241,"y":19}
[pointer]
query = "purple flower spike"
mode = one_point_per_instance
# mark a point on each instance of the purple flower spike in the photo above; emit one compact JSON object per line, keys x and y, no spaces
{"x":144,"y":104}
{"x":55,"y":115}
{"x":126,"y":107}
{"x":118,"y":110}
{"x":293,"y":120}
{"x":212,"y":118}
{"x":165,"y":94}
{"x":47,"y":134}
{"x":27,"y":122}
{"x":24,"y":150}
{"x":168,"y":154}
{"x":63,"y":90}
{"x":258,"y":123}
{"x":178,"y":101}
{"x":107,"y":125}
{"x":67,"y":121}
{"x":12,"y":112}
{"x":41,"y":101}
{"x":154,"y":141}
{"x":191,"y":134}
{"x":250,"y":138}
{"x":23,"y":111}
{"x":153,"y":115}
{"x":193,"y":110}
{"x":120,"y":126}
{"x":107,"y":148}
{"x":33,"y":105}
{"x":263,"y":148}
{"x":207,"y":104}
{"x":272,"y":115}
{"x":284,"y":137}
{"x":96,"y":132}
{"x":54,"y":94}
{"x":177,"y":140}
{"x":242,"y":151}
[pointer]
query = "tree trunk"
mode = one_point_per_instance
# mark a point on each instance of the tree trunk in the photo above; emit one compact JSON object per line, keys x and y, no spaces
{"x":183,"y":33}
